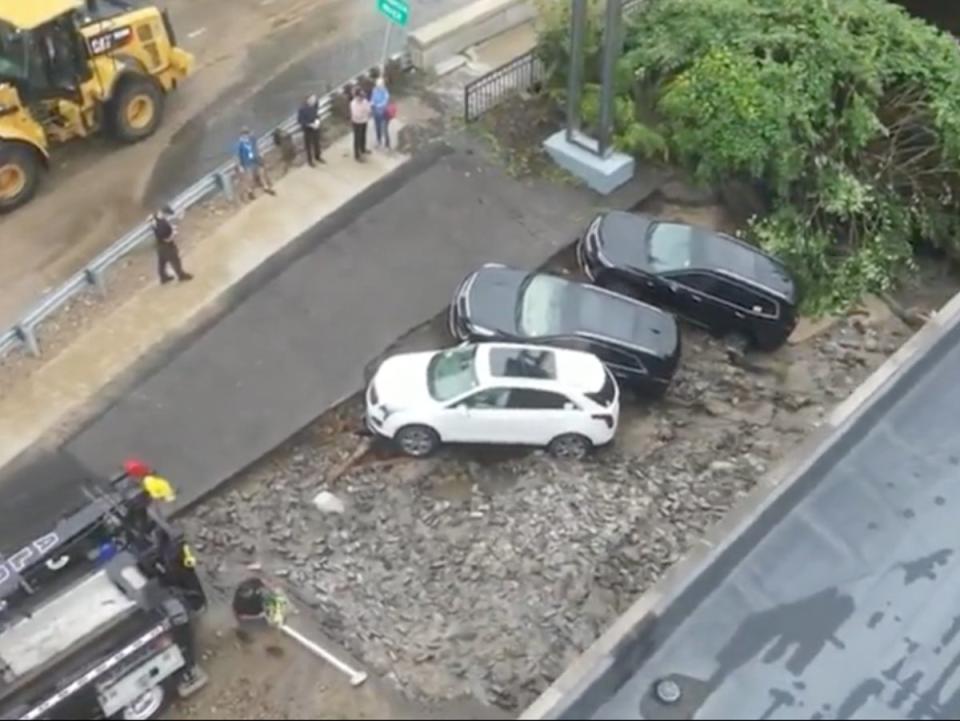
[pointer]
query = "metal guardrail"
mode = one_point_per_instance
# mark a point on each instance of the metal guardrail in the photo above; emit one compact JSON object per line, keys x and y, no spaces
{"x":93,"y":274}
{"x":522,"y":74}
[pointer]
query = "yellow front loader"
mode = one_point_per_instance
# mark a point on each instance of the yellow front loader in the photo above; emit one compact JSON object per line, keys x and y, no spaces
{"x":72,"y":68}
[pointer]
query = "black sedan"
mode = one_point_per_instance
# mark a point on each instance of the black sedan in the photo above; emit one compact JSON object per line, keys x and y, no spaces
{"x":714,"y":280}
{"x":639,"y":343}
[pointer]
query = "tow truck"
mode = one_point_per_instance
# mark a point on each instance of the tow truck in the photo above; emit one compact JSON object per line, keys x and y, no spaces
{"x":97,"y":604}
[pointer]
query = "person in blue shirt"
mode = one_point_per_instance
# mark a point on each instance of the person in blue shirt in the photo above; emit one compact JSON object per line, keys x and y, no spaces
{"x":252,"y":170}
{"x":380,"y":103}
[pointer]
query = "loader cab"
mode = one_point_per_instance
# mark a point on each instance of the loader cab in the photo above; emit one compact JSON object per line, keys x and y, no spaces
{"x":45,"y":62}
{"x":14,"y":55}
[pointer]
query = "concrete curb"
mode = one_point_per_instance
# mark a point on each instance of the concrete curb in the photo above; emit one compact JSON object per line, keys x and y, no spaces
{"x":601,"y":656}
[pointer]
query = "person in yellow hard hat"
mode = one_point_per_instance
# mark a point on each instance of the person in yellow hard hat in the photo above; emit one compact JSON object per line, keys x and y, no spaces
{"x":159,"y":488}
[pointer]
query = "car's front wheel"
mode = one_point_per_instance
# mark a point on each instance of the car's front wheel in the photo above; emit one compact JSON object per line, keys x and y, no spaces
{"x":417,"y":441}
{"x":570,"y":447}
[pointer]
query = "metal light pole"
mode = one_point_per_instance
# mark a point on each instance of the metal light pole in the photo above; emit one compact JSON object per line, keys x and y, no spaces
{"x":578,"y":32}
{"x":612,"y":48}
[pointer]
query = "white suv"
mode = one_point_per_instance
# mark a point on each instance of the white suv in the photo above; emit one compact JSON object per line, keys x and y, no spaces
{"x":494,"y":393}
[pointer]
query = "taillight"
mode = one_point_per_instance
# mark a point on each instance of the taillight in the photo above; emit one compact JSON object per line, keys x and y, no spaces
{"x":605,"y":417}
{"x":161,"y":644}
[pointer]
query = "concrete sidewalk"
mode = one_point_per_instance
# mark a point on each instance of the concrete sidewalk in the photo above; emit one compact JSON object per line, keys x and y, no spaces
{"x":62,"y":388}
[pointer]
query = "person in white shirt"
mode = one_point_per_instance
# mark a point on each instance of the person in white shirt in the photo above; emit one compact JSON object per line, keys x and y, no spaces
{"x":360,"y":117}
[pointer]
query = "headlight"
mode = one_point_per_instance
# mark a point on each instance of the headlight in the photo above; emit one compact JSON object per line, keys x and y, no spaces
{"x":386,"y":412}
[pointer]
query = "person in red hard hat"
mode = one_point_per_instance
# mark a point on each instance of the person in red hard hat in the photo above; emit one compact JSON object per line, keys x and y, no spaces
{"x":157,"y":487}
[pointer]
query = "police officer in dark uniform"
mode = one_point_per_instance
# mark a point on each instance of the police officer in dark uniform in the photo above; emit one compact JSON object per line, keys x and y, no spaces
{"x":168,"y":254}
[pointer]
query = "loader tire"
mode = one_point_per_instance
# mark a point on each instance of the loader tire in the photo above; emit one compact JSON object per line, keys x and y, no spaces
{"x":20,"y":167}
{"x":136,"y":110}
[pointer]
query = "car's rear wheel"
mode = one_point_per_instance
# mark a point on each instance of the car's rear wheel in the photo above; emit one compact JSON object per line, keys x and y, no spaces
{"x":570,"y":447}
{"x":417,"y":441}
{"x":737,"y":344}
{"x":769,"y":342}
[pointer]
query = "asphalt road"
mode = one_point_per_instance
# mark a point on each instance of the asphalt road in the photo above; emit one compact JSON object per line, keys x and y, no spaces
{"x":298,"y":339}
{"x":255,"y":59}
{"x":296,"y":335}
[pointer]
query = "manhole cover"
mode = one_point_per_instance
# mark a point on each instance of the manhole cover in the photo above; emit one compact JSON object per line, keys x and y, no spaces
{"x":667,"y":691}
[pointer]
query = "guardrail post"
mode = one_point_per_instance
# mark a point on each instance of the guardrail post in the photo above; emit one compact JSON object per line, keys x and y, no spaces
{"x":29,"y":338}
{"x":95,"y":278}
{"x":225,"y":181}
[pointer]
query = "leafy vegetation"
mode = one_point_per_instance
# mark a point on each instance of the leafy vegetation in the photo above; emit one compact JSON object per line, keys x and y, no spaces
{"x":841,"y":116}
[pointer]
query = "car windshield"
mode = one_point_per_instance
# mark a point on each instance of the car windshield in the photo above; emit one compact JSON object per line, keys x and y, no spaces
{"x":670,"y":246}
{"x":541,"y":307}
{"x":452,"y":373}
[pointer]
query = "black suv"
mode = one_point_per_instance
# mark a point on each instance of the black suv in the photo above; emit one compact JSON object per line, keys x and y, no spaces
{"x":640,"y":344}
{"x":712,"y":279}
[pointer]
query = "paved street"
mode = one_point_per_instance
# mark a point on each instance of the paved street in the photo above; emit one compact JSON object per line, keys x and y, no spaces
{"x":256,"y":59}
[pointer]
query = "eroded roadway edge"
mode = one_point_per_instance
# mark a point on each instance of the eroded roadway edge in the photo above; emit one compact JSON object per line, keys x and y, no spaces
{"x":830,"y":593}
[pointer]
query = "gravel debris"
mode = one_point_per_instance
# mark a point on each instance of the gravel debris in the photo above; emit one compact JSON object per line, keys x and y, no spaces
{"x":484,"y":573}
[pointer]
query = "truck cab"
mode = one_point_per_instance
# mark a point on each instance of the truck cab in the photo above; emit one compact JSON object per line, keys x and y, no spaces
{"x":97,"y":601}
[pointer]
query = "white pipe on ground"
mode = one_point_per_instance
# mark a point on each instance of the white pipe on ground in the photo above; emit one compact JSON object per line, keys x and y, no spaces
{"x":356,"y":676}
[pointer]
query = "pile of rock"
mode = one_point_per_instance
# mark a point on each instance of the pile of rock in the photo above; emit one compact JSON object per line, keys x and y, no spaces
{"x":488,"y":578}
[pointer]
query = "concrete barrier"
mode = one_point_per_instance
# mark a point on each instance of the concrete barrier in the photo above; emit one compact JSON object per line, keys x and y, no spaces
{"x":473,"y":24}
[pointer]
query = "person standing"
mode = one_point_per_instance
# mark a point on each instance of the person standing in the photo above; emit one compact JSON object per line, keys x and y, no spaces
{"x":360,"y":117}
{"x":308,"y":117}
{"x":288,"y":149}
{"x":251,"y":164}
{"x":168,"y":254}
{"x":380,"y":103}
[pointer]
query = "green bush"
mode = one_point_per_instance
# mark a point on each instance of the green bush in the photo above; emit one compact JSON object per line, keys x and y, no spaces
{"x":845,"y":113}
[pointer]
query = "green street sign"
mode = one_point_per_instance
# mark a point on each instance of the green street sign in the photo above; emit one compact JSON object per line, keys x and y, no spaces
{"x":396,"y":11}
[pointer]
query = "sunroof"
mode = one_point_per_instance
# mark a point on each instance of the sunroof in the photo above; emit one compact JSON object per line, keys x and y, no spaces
{"x":523,"y":363}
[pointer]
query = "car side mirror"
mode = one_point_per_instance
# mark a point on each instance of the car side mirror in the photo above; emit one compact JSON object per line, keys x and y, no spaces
{"x":569,"y":407}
